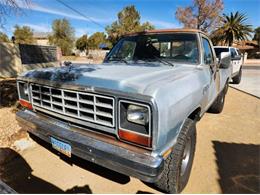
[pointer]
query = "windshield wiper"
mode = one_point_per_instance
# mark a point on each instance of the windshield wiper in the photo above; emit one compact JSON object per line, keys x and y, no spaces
{"x":163,"y":61}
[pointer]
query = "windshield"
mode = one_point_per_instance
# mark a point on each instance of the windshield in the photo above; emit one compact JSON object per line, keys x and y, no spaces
{"x":174,"y":47}
{"x":218,"y":50}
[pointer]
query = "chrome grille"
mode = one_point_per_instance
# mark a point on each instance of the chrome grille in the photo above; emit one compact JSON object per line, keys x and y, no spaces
{"x":89,"y":107}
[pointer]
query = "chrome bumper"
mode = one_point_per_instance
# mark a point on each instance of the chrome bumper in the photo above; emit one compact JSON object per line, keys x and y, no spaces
{"x":129,"y":162}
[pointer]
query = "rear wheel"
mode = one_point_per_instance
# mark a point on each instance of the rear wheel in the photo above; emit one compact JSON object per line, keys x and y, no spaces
{"x":178,"y":164}
{"x":237,"y":79}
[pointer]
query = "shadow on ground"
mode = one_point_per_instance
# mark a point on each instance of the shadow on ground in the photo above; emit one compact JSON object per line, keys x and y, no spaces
{"x":94,"y":168}
{"x":17,"y":174}
{"x":143,"y":192}
{"x":238,"y":167}
{"x":8,"y":92}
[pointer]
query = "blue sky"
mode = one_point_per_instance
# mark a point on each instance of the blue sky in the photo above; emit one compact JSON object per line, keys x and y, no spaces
{"x":161,"y":13}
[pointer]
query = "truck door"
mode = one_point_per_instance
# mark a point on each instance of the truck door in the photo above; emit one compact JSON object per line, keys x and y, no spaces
{"x":209,"y":61}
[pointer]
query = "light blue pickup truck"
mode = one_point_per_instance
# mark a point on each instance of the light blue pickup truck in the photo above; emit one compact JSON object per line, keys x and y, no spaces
{"x":136,"y":112}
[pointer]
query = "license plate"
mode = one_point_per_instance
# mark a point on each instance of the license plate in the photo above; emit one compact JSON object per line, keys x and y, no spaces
{"x":61,"y":146}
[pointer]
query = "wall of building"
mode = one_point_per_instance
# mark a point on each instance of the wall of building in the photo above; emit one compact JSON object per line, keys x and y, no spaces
{"x":42,"y":41}
{"x":12,"y":65}
{"x":10,"y":61}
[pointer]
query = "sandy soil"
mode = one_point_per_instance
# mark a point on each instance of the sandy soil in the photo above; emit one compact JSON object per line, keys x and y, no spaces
{"x":226,"y":159}
{"x":9,"y":128}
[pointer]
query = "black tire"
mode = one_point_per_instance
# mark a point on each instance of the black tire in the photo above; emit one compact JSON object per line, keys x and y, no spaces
{"x":218,"y":104}
{"x":237,"y":79}
{"x":226,"y":87}
{"x":175,"y":174}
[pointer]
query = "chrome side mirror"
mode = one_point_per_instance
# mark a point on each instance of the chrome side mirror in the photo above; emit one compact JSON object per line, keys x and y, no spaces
{"x":225,"y":60}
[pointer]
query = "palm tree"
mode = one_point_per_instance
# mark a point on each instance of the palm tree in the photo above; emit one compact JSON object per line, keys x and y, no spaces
{"x":233,"y":27}
{"x":257,"y":36}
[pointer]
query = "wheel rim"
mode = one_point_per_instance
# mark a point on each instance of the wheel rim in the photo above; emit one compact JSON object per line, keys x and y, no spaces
{"x":186,"y":157}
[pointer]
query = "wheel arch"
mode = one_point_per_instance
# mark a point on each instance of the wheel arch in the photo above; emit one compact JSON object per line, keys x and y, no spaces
{"x":195,"y":115}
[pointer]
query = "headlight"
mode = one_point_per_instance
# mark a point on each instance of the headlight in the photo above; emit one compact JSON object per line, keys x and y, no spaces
{"x":23,"y":90}
{"x":135,"y":123}
{"x":138,"y":114}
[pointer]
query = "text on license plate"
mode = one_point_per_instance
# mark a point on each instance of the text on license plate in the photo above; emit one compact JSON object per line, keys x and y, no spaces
{"x":61,"y":146}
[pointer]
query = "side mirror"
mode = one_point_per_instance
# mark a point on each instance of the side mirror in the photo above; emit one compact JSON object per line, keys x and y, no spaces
{"x":236,"y":57}
{"x":225,"y":60}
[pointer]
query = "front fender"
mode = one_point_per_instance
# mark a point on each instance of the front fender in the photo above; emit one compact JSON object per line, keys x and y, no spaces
{"x":175,"y":102}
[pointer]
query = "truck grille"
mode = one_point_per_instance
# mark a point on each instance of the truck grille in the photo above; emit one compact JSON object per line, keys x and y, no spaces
{"x":89,"y":107}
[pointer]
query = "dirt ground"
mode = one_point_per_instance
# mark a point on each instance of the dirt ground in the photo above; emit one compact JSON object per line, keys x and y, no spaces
{"x":9,"y":129}
{"x":227,"y":159}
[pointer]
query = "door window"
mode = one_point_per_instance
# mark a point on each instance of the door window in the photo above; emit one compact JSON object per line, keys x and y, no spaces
{"x":208,"y":56}
{"x":233,"y":52}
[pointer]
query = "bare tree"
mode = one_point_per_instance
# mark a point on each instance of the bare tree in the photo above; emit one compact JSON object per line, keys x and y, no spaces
{"x":202,"y":14}
{"x":9,"y":8}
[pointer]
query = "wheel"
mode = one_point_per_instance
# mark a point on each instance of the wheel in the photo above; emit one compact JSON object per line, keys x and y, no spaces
{"x":178,"y":164}
{"x":237,"y":79}
{"x":226,"y":88}
{"x":218,"y":104}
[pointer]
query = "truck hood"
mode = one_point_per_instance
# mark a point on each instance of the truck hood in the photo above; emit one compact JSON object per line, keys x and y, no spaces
{"x":132,"y":78}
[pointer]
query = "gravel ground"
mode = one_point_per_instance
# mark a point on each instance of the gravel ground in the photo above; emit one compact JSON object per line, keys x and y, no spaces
{"x":9,"y":129}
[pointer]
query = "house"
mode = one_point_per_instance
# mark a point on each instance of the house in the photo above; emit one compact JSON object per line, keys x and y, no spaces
{"x":250,"y":47}
{"x":41,"y":38}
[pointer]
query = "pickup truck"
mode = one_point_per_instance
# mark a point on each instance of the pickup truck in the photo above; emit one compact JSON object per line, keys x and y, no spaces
{"x":236,"y":61}
{"x":135,"y":113}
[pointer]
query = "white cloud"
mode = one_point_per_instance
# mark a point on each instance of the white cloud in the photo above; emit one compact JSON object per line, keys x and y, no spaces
{"x":47,"y":28}
{"x":82,"y":31}
{"x":38,"y":27}
{"x":163,"y":24}
{"x":36,"y":7}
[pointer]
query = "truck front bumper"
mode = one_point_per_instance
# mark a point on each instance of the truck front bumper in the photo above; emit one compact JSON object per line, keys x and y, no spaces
{"x":132,"y":163}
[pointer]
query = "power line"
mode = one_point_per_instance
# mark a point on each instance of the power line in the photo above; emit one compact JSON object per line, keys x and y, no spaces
{"x":81,"y":14}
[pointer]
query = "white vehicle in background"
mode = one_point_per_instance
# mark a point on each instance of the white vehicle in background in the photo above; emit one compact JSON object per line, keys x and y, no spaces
{"x":236,"y":61}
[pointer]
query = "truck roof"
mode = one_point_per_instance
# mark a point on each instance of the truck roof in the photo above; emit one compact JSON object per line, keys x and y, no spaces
{"x":166,"y":31}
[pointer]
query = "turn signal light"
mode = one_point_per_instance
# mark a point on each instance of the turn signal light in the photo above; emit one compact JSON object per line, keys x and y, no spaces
{"x":25,"y":104}
{"x":135,"y":138}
